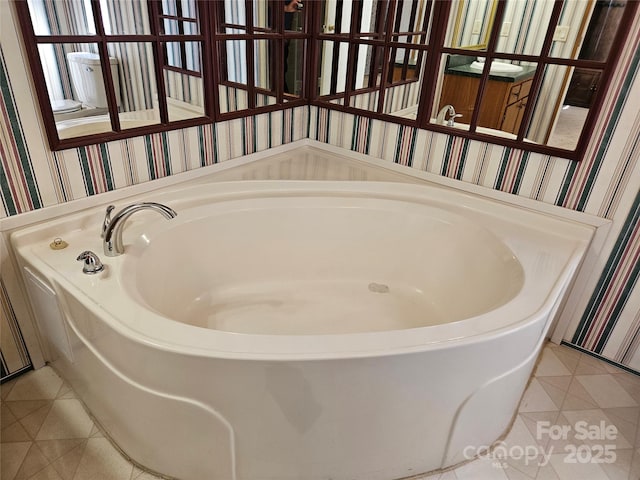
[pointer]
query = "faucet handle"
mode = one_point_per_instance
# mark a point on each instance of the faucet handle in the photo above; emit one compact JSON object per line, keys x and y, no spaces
{"x":92,"y":263}
{"x":107,"y":220}
{"x":452,"y":119}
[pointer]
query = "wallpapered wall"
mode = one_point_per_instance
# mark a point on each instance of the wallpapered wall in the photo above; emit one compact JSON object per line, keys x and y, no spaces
{"x":606,"y":183}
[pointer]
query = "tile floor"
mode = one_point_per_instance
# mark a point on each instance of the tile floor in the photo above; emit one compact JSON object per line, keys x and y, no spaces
{"x":47,"y":435}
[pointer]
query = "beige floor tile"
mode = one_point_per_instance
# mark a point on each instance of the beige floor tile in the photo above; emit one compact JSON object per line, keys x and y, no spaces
{"x":6,"y":415}
{"x":481,"y":469}
{"x":567,"y":355}
{"x":549,"y":365}
{"x":101,"y":461}
{"x":538,"y":424}
{"x":612,"y":368}
{"x":535,"y":399}
{"x":589,"y":365}
{"x":631,"y":383}
{"x":522,"y":449}
{"x":620,"y":469}
{"x":66,"y":419}
{"x":596,"y":422}
{"x":11,"y":457}
{"x":65,"y":392}
{"x":33,"y":462}
{"x":41,"y":384}
{"x":634,"y":469}
{"x":450,"y":475}
{"x":606,"y":391}
{"x":546,"y":472}
{"x":566,"y":470}
{"x":22,"y":408}
{"x":5,"y":388}
{"x":560,"y":436}
{"x":560,"y":382}
{"x":48,"y":473}
{"x":513,"y":473}
{"x":136,"y":472}
{"x":14,"y":433}
{"x":148,"y":476}
{"x":54,"y":449}
{"x":556,"y":393}
{"x":34,"y":420}
{"x":67,"y":464}
{"x":96,"y":432}
{"x":637,"y":442}
{"x":578,"y":398}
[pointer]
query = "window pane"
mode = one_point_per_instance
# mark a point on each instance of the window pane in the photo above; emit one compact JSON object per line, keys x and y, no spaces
{"x":262,"y":15}
{"x":294,"y":21}
{"x":524,"y":27}
{"x":232,"y":99}
{"x":336,"y":17}
{"x":404,"y":65}
{"x":234,"y":56}
{"x":138,"y":89}
{"x":176,"y":27}
{"x":184,"y":55}
{"x":505,"y":98}
{"x":125,"y":17}
{"x":185,"y":95}
{"x":263,"y":61}
{"x":62,"y":17}
{"x":402,"y":97}
{"x":294,"y":66}
{"x":75,"y":83}
{"x":470,"y":24}
{"x":459,"y":89}
{"x":233,"y":13}
{"x":333,"y":67}
{"x":368,"y":65}
{"x":179,"y":8}
{"x":598,"y":26}
{"x":412,"y":16}
{"x":373,"y":19}
{"x":559,"y":124}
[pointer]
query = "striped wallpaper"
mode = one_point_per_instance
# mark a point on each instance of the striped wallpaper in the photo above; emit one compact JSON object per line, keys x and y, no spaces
{"x":606,"y":183}
{"x":18,"y":187}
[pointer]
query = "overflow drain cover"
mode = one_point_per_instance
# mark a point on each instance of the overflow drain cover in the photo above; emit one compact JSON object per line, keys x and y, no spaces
{"x":378,"y":287}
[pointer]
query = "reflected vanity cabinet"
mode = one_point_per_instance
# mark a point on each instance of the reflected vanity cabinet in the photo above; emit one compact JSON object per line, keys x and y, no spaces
{"x":505,"y":95}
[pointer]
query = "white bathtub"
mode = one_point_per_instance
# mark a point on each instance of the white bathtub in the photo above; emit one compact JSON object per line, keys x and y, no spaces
{"x":304,"y":330}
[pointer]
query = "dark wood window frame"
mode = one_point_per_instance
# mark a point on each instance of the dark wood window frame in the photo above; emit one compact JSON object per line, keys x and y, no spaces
{"x":213,"y":35}
{"x":435,"y":50}
{"x":155,"y":37}
{"x":385,"y":42}
{"x":276,"y":35}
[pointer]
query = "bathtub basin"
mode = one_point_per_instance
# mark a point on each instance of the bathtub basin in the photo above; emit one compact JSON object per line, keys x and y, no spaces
{"x":274,"y":289}
{"x":306,"y":330}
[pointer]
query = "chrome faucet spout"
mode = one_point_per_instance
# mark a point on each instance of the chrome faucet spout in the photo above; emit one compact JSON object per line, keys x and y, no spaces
{"x":442,"y":114}
{"x":112,"y":239}
{"x":447,"y":109}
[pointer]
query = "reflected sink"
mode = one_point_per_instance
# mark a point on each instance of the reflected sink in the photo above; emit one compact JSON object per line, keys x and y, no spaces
{"x":497,"y":67}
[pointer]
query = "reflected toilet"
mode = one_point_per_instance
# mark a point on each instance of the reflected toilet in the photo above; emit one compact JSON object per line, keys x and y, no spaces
{"x":90,"y":97}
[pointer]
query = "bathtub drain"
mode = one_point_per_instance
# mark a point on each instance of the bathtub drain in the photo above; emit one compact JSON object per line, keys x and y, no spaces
{"x":378,"y":287}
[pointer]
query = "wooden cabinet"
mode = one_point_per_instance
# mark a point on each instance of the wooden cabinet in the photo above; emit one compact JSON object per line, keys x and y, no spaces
{"x":502,"y":105}
{"x":582,"y":87}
